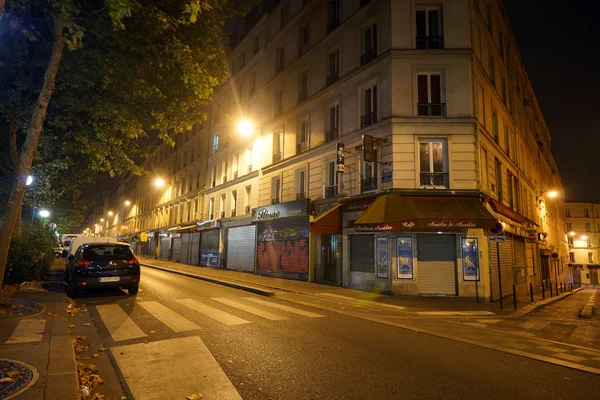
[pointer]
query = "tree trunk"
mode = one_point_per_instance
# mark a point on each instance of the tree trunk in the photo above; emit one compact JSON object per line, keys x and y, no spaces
{"x":36,"y":124}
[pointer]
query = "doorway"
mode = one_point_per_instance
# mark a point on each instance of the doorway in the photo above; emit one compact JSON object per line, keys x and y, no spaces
{"x":329,"y":251}
{"x":594,"y":276}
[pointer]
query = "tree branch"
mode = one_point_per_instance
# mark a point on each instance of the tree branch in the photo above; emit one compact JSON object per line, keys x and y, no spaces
{"x":13,"y":118}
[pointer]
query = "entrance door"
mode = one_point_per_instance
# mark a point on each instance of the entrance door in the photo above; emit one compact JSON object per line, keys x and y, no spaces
{"x":576,"y":271}
{"x":436,"y":264}
{"x":329,"y":249}
{"x":594,"y":276}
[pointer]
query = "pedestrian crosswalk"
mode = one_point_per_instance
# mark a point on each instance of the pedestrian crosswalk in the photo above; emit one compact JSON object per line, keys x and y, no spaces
{"x":121,"y":325}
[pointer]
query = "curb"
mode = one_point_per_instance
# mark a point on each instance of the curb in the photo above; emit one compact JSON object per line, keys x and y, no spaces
{"x":247,"y":288}
{"x":531,"y":307}
{"x":587,"y":311}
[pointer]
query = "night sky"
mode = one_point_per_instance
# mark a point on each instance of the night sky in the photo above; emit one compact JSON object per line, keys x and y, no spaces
{"x":558,"y":45}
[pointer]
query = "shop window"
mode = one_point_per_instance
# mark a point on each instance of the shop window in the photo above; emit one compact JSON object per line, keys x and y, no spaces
{"x":362,"y":253}
{"x":433,"y":164}
{"x":571,"y":256}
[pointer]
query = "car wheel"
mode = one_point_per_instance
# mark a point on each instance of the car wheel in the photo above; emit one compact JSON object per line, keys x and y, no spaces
{"x":73,"y":291}
{"x":134,"y":289}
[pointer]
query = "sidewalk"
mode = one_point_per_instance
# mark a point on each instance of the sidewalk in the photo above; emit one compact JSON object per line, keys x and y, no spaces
{"x":43,"y":342}
{"x":268,"y":286}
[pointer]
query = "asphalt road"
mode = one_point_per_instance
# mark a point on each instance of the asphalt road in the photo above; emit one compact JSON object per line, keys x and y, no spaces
{"x":280,"y":354}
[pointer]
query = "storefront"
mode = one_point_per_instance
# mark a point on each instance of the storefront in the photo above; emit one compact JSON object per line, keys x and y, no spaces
{"x":416,"y":244}
{"x":283,"y":240}
{"x":326,"y":228}
{"x":239,"y":244}
{"x":152,"y":244}
{"x":210,"y":232}
{"x":165,"y":245}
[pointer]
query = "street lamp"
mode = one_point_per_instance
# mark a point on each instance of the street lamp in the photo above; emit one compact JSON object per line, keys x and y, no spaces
{"x":29,"y":180}
{"x":110,"y":214}
{"x":159,"y":182}
{"x":572,"y":233}
{"x":245,"y":127}
{"x":44,"y":213}
{"x":127,"y":203}
{"x":101,"y":219}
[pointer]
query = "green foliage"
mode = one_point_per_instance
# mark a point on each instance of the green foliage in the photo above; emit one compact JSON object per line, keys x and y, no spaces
{"x":30,"y":256}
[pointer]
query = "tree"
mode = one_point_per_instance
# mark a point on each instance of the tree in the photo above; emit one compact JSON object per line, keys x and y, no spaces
{"x":133,"y":67}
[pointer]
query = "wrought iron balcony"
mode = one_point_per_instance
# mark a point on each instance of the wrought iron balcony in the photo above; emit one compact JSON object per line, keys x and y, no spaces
{"x":303,"y":95}
{"x":331,"y":191}
{"x":277,"y":157}
{"x":247,"y":209}
{"x":332,"y":78}
{"x":434,"y":180}
{"x":233,"y":212}
{"x":275,"y":201}
{"x":331,"y":135}
{"x":300,"y":196}
{"x":430,"y":42}
{"x":222,"y":214}
{"x":367,"y":184}
{"x":300,"y":147}
{"x":235,"y":174}
{"x":431,"y":109}
{"x":249,"y":168}
{"x":225,"y":179}
{"x":214,"y":183}
{"x":368,"y":56}
{"x":368,"y":119}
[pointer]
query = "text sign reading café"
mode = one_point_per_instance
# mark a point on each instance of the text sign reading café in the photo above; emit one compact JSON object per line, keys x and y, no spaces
{"x":440,"y":225}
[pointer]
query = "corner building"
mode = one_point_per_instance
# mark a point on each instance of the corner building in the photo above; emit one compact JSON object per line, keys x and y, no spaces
{"x":583,"y":233}
{"x":460,"y":146}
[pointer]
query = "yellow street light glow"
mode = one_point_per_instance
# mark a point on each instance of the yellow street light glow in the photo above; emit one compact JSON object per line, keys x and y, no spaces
{"x":44,"y":213}
{"x":101,"y":219}
{"x":159,"y":182}
{"x":110,"y":213}
{"x":552,"y":193}
{"x":572,"y":233}
{"x":583,"y":237}
{"x":127,"y":203}
{"x":244,"y":127}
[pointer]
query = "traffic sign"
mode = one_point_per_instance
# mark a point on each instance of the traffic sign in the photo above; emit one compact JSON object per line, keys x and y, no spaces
{"x":497,"y":238}
{"x":496,"y":230}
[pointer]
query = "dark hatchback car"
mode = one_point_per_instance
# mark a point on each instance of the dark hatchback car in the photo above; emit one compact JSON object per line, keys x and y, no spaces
{"x":102,"y":265}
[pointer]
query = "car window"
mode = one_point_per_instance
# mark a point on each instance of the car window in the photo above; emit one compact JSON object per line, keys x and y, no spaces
{"x":67,"y":242}
{"x":94,"y":253}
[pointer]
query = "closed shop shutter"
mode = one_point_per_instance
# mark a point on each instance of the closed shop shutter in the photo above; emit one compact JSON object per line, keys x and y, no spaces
{"x":436,"y":268}
{"x":133,"y":246}
{"x":520,"y":269}
{"x":165,"y":247}
{"x":152,"y":242}
{"x":176,"y":252}
{"x":362,"y":253}
{"x":506,"y":268}
{"x":282,"y":248}
{"x":195,"y":249}
{"x":186,"y":240}
{"x":241,"y":242}
{"x":209,"y":247}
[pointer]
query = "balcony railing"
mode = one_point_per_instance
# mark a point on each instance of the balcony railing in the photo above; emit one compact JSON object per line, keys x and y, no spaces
{"x":368,"y":119}
{"x":303,"y":95}
{"x":249,"y":168}
{"x":300,"y":196}
{"x":278,"y":111}
{"x":235,"y":174}
{"x":214,"y":183}
{"x":277,"y":157}
{"x":367,"y":184}
{"x":233,"y":212}
{"x":331,"y":135}
{"x":331,"y":191}
{"x":368,"y":56}
{"x":332,"y":25}
{"x":434,"y":180}
{"x":431,"y":109}
{"x":222,"y":214}
{"x":247,"y":209}
{"x":430,"y":42}
{"x":225,"y":179}
{"x":332,"y":78}
{"x":275,"y":201}
{"x":300,"y":147}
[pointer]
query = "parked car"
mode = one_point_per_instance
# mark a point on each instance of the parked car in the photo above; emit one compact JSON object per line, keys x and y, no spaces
{"x":102,"y":265}
{"x":66,"y":240}
{"x":76,"y":242}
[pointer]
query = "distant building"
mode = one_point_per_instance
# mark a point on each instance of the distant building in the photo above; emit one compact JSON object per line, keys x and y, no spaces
{"x":459,"y":145}
{"x":583,"y":233}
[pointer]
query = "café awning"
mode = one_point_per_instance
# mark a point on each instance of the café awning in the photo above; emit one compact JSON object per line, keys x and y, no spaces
{"x":330,"y":222}
{"x":394,"y":212}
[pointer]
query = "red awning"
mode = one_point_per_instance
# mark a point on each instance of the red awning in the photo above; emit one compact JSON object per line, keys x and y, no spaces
{"x":507,"y":211}
{"x":329,"y":222}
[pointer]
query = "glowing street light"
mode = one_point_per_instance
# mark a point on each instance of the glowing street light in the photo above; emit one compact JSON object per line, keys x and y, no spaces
{"x":127,"y":203}
{"x":29,"y":180}
{"x":110,"y":214}
{"x":44,"y":213}
{"x":583,"y":237}
{"x":245,"y":127}
{"x":159,"y":182}
{"x":572,"y":233}
{"x":552,"y":194}
{"x":101,"y":219}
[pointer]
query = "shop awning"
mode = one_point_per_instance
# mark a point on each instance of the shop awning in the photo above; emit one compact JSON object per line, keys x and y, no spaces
{"x":393,"y":212}
{"x":509,"y":212}
{"x":185,"y":228}
{"x":329,"y":222}
{"x":173,"y":229}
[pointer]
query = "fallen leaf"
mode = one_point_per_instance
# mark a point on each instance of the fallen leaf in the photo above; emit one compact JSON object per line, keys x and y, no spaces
{"x":102,"y":349}
{"x":6,"y":379}
{"x":86,"y":324}
{"x":95,"y":355}
{"x":196,"y":396}
{"x":71,"y":325}
{"x":121,"y":353}
{"x":152,"y":331}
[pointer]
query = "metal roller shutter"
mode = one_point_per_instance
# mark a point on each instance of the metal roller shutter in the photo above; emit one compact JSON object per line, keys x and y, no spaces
{"x":195,"y":249}
{"x":282,"y":248}
{"x":520,"y":257}
{"x":506,"y":268}
{"x":436,"y":268}
{"x":152,"y":247}
{"x":209,"y":247}
{"x":176,"y":252}
{"x":362,"y":253}
{"x":165,"y":247}
{"x":241,"y":242}
{"x":186,"y":240}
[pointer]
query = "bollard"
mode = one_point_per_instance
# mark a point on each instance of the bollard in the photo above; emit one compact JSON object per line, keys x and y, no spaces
{"x":543,"y":291}
{"x":556,"y":288}
{"x":515,"y":295}
{"x":531,"y":291}
{"x":550,"y":288}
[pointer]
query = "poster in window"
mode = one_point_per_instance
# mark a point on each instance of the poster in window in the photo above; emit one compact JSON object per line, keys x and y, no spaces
{"x":404,"y":257}
{"x":381,"y":251}
{"x":470,"y":258}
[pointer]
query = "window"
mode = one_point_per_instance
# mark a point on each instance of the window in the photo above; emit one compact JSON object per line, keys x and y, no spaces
{"x":495,"y":126}
{"x":243,"y":60}
{"x":252,"y":88}
{"x":302,"y":142}
{"x":276,"y":190}
{"x":499,"y":179}
{"x":369,"y":44}
{"x":285,"y":14}
{"x":569,"y":228}
{"x":303,"y":87}
{"x":280,"y":59}
{"x":333,"y":66}
{"x":484,"y":168}
{"x":304,"y":40}
{"x":589,"y":242}
{"x":248,"y":204}
{"x":586,"y":212}
{"x":277,"y":146}
{"x":333,"y":15}
{"x":492,"y":71}
{"x":235,"y":165}
{"x":509,"y":182}
{"x":213,"y":176}
{"x":331,"y":188}
{"x":429,"y":28}
{"x":255,"y":45}
{"x":332,"y":123}
{"x":369,"y":173}
{"x":501,"y":44}
{"x":590,"y":258}
{"x":506,"y":138}
{"x":222,"y":206}
{"x":300,"y":184}
{"x":431,"y":101}
{"x":278,"y":102}
{"x":503,"y":89}
{"x":215,"y":142}
{"x":517,"y":194}
{"x":211,"y":208}
{"x":369,"y":106}
{"x":233,"y":203}
{"x":224,"y":171}
{"x":587,"y":227}
{"x":571,"y":256}
{"x":570,"y":241}
{"x":433,"y":163}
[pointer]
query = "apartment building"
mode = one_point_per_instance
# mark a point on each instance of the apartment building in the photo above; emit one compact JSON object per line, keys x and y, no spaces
{"x":583,"y":233}
{"x":369,"y":144}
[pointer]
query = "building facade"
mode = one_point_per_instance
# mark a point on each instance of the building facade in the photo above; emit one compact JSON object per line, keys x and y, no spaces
{"x":368,"y":144}
{"x":583,"y":233}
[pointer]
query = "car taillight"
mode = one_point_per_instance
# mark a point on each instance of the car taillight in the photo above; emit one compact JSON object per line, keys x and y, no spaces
{"x":133,"y":261}
{"x":83,"y":262}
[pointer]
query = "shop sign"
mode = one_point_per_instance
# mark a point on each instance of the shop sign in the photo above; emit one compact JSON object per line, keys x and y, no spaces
{"x":208,"y":224}
{"x":281,"y":210}
{"x":412,"y":225}
{"x":144,"y":237}
{"x":357,"y":205}
{"x":509,"y":212}
{"x":382,"y":256}
{"x":470,"y":258}
{"x":500,"y":238}
{"x":386,"y":175}
{"x":340,"y":158}
{"x":209,"y":259}
{"x":404,"y":257}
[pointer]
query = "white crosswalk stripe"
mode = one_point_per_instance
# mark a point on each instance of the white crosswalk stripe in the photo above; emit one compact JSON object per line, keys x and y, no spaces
{"x":214,"y":313}
{"x":168,"y":316}
{"x":284,"y":308}
{"x":250,"y":309}
{"x":118,"y":323}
